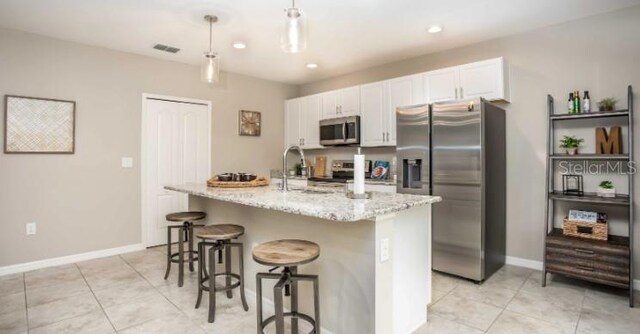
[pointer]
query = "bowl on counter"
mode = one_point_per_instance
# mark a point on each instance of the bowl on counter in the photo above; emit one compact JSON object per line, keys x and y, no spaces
{"x":226,"y":177}
{"x":246,"y":177}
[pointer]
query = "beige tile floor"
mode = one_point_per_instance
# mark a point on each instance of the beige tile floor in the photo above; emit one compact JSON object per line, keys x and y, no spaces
{"x":127,"y":294}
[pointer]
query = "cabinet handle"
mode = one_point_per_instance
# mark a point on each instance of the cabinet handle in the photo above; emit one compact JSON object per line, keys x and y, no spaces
{"x":456,"y":89}
{"x":585,"y":251}
{"x":302,"y":141}
{"x":584,"y":268}
{"x":383,"y":139}
{"x":461,"y":95}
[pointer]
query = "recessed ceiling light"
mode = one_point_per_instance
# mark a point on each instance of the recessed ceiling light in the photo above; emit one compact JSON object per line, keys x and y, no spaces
{"x":434,"y":29}
{"x":239,"y":45}
{"x":312,"y":65}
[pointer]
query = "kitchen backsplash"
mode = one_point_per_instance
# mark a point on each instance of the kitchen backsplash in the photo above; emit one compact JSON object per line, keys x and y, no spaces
{"x":345,"y":153}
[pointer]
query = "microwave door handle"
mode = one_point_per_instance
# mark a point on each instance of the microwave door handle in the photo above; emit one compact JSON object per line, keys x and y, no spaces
{"x":344,"y":131}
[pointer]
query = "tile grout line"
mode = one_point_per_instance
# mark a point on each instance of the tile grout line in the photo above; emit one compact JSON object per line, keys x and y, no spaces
{"x":96,"y":298}
{"x":584,"y":298}
{"x":26,"y":306}
{"x":161,"y":294}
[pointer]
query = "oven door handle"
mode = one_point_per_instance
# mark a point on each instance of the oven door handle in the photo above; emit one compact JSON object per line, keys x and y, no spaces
{"x":344,"y":131}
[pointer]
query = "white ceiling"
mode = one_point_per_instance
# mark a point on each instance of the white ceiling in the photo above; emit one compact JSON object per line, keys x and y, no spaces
{"x":344,"y":35}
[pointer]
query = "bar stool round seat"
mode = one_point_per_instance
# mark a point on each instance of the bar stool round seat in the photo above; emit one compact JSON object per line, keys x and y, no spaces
{"x":187,"y":216}
{"x":219,"y":232}
{"x":286,"y":253}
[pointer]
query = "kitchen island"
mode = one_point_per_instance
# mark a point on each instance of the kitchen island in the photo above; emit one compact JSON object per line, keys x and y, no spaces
{"x":375,"y":254}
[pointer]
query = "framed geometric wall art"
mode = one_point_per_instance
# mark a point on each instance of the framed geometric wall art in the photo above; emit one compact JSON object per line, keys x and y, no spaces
{"x":37,"y":125}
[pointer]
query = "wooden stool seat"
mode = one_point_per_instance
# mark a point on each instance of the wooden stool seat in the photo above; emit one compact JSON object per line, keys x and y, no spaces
{"x":219,"y":232}
{"x":187,"y":216}
{"x":286,"y":253}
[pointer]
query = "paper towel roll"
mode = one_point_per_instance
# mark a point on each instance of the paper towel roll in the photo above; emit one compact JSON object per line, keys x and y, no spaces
{"x":358,"y":174}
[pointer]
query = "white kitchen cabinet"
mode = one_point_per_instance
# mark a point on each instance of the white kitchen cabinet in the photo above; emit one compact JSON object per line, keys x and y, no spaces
{"x":488,"y":79}
{"x":310,"y":109}
{"x":442,"y":85}
{"x":373,"y":117}
{"x":401,"y":92}
{"x":302,"y":116}
{"x":292,"y":122}
{"x":341,"y":103}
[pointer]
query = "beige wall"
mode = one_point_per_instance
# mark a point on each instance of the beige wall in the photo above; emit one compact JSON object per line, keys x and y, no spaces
{"x":600,"y":54}
{"x":86,"y":201}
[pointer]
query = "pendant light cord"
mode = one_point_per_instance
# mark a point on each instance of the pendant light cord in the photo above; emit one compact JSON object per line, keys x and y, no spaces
{"x":210,"y":34}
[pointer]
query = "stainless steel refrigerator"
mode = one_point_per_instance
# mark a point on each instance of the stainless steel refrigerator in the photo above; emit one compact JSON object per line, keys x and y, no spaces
{"x":457,"y":150}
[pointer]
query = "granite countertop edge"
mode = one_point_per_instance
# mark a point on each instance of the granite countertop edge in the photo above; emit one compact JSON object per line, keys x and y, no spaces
{"x":297,"y":202}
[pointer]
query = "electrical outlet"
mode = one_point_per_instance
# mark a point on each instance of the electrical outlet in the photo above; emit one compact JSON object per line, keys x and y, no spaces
{"x":31,"y":228}
{"x":127,"y":162}
{"x":384,"y":250}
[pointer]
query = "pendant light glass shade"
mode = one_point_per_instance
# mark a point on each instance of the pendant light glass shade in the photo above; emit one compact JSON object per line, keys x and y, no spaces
{"x":294,"y":36}
{"x":210,"y":69}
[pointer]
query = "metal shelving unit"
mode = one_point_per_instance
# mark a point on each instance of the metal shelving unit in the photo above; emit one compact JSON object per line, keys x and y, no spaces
{"x":622,"y":246}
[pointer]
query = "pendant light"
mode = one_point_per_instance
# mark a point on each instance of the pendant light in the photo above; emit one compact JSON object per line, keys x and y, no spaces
{"x":294,"y":36}
{"x":210,"y":69}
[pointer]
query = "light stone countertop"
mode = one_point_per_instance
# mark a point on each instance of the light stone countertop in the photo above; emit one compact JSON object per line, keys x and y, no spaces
{"x":381,"y":182}
{"x":326,"y":204}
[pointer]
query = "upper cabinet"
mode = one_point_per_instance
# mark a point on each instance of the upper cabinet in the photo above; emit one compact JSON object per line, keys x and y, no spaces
{"x":487,"y":79}
{"x":376,"y":103}
{"x":341,"y":103}
{"x":401,"y":92}
{"x":302,"y":116}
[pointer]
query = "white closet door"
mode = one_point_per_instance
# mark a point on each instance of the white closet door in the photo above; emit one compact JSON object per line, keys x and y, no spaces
{"x":177,"y":151}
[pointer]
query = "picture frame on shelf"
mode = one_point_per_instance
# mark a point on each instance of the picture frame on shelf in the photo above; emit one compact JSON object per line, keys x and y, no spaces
{"x":572,"y":185}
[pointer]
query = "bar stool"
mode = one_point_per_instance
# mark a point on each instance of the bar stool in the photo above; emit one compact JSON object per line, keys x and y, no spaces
{"x":185,"y":233}
{"x":288,"y":254}
{"x":219,"y":237}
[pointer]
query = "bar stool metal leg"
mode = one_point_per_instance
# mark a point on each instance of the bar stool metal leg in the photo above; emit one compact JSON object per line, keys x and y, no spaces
{"x":316,"y":304}
{"x":227,"y":268}
{"x":241,"y":268}
{"x":166,"y":274}
{"x":294,"y":301}
{"x":190,"y":239}
{"x":279,"y":305}
{"x":201,"y":273}
{"x":181,"y":258}
{"x":212,"y":284}
{"x":259,"y":301}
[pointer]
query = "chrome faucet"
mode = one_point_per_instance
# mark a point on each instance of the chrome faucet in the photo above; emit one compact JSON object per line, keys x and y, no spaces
{"x":284,"y":186}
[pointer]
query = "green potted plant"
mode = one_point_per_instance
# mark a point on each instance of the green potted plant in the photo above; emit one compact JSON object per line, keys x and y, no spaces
{"x":606,"y":189}
{"x":608,"y":104}
{"x":571,"y":144}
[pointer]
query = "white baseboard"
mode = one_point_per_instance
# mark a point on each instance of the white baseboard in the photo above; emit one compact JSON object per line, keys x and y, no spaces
{"x":537,"y":265}
{"x":57,"y":261}
{"x":268,"y":308}
{"x":520,"y":262}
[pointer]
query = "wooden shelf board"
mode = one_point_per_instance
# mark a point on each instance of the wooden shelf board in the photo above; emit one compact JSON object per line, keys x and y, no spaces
{"x":595,"y":114}
{"x":590,"y":198}
{"x":589,"y":156}
{"x":615,"y":241}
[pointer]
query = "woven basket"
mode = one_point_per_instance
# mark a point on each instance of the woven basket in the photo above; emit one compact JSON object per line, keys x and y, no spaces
{"x":594,"y":231}
{"x":259,"y":182}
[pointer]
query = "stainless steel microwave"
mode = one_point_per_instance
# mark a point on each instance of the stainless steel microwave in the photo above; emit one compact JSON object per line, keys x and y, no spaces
{"x":340,"y":131}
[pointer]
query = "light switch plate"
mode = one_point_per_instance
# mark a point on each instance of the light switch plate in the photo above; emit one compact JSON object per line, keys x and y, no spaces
{"x":127,"y":162}
{"x":384,"y":250}
{"x":31,"y":228}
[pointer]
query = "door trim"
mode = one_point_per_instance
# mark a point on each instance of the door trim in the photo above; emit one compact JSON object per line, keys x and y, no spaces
{"x":143,"y":152}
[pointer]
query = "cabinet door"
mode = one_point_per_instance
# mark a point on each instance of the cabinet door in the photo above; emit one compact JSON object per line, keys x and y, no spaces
{"x":329,"y":104}
{"x":310,"y":121}
{"x":441,"y":85}
{"x":483,"y":79}
{"x":373,"y":114}
{"x":402,"y":92}
{"x":292,"y":122}
{"x":349,"y":101}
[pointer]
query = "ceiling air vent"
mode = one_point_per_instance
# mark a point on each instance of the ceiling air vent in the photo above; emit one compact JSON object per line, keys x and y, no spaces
{"x":166,"y":48}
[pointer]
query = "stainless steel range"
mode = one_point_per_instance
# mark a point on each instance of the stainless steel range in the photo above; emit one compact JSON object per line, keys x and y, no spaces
{"x":341,"y":171}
